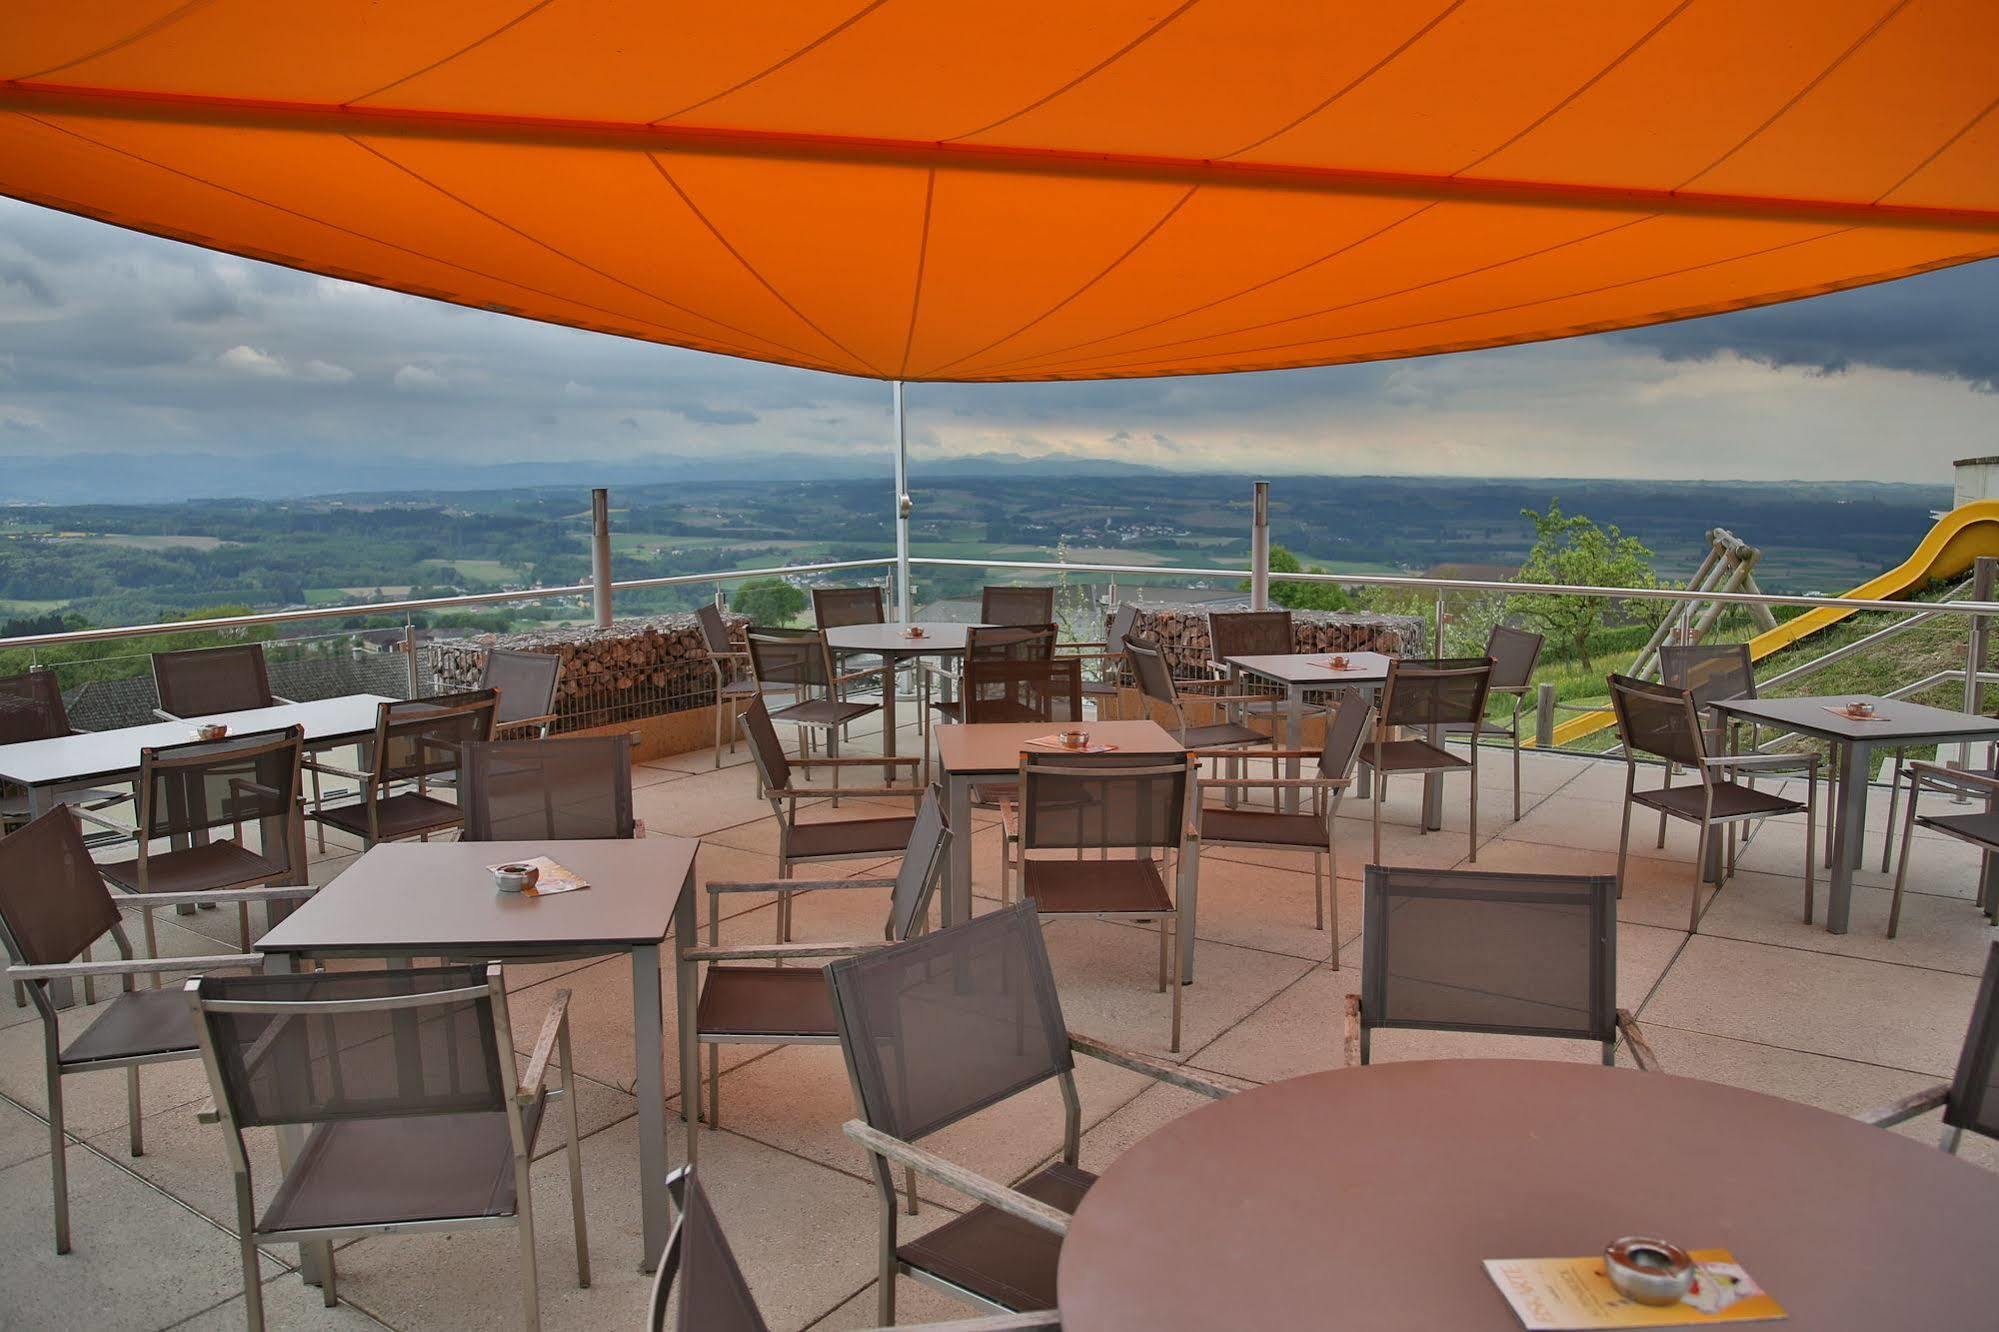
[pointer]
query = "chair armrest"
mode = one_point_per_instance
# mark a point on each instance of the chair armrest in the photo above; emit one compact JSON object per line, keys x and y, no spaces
{"x":523,"y":723}
{"x":544,"y":1048}
{"x":287,"y":701}
{"x":164,"y":715}
{"x":1048,"y":1319}
{"x":1283,"y":783}
{"x":1171,"y":1074}
{"x":968,"y":1182}
{"x":1907,"y":1108}
{"x":286,"y":893}
{"x":1641,"y":1049}
{"x":134,"y":966}
{"x":84,"y":812}
{"x":852,"y":676}
{"x":856,"y":761}
{"x":1761,"y":761}
{"x":1353,"y":1022}
{"x":795,"y":792}
{"x":1256,"y":753}
{"x":797,"y":885}
{"x":320,"y":765}
{"x":788,"y":951}
{"x":1938,"y":772}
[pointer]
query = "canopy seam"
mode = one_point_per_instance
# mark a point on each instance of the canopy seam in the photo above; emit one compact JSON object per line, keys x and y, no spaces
{"x":1079,"y":79}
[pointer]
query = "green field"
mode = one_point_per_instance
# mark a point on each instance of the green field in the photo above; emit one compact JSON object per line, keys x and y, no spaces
{"x":153,"y":542}
{"x":489,"y":572}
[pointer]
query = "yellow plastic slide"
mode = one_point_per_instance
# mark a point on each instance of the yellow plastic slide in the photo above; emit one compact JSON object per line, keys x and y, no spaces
{"x":1959,"y":538}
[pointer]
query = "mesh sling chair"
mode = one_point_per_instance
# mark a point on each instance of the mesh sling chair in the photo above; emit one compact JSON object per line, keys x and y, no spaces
{"x":1422,"y":695}
{"x":1017,"y":605}
{"x":418,"y":1118}
{"x":417,"y":742}
{"x":700,"y":1268}
{"x":200,"y":682}
{"x":783,"y":1005}
{"x":1157,"y":689}
{"x":1665,"y":723}
{"x":1503,"y":954}
{"x":937,"y":1029}
{"x":189,"y":793}
{"x":53,"y":908}
{"x":1108,"y":686}
{"x":987,"y":644}
{"x":728,"y":661}
{"x":800,"y":842}
{"x":1970,"y":1100}
{"x":31,"y":708}
{"x":1265,"y":633}
{"x":524,"y":685}
{"x":1980,"y":829}
{"x":1514,"y":653}
{"x":797,"y":665}
{"x":838,"y":607}
{"x":1313,"y":832}
{"x":573,"y":789}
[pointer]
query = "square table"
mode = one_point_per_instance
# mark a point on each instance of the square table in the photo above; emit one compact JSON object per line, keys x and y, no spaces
{"x":1897,"y":724}
{"x":431,"y":899}
{"x":891,"y":642}
{"x":968,"y":753}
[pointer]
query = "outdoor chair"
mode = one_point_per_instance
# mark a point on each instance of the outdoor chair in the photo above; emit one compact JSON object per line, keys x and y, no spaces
{"x":797,"y":665}
{"x":799,"y":842}
{"x":937,"y":1029}
{"x":574,"y":789}
{"x":837,"y":607}
{"x":714,"y":1297}
{"x":1017,"y":605}
{"x":1108,"y":686}
{"x":201,"y":682}
{"x":1089,"y":805}
{"x":1504,"y":954}
{"x":1514,"y":654}
{"x":415,"y":1115}
{"x":1158,"y":687}
{"x":728,"y":661}
{"x":31,"y":708}
{"x":1251,"y":634}
{"x":1427,"y":696}
{"x":1307,"y":831}
{"x":524,"y":684}
{"x":786,"y":1005}
{"x":1980,"y":829}
{"x":1665,"y":723}
{"x":53,"y":908}
{"x":1970,"y":1100}
{"x":189,"y":793}
{"x":418,"y":743}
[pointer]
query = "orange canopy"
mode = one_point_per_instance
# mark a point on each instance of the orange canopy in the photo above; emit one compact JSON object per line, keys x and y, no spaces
{"x":1042,"y":189}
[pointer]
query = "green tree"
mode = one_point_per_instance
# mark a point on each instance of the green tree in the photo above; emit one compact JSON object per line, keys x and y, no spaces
{"x":1294,"y":595}
{"x":769,"y":601}
{"x":1569,"y":548}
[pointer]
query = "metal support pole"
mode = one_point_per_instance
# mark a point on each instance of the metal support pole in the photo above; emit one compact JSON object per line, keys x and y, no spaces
{"x":1984,"y":573}
{"x":1544,"y":715}
{"x":409,"y":650}
{"x":600,"y":556}
{"x":1438,"y":644}
{"x":1259,"y":547}
{"x":903,"y":505}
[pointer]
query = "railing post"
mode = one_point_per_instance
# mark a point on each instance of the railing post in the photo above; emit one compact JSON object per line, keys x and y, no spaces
{"x":1544,"y":715}
{"x":1438,"y":643}
{"x":600,"y":556}
{"x":1983,"y":573}
{"x":903,"y":506}
{"x":409,"y":651}
{"x":1259,"y":546}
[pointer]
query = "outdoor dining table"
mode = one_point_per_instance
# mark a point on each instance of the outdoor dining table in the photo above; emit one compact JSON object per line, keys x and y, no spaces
{"x":1896,"y":724}
{"x":1369,"y":1197}
{"x":893,"y":644}
{"x":404,"y":900}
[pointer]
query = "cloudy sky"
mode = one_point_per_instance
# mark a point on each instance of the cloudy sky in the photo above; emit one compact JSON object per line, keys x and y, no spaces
{"x":113,"y":341}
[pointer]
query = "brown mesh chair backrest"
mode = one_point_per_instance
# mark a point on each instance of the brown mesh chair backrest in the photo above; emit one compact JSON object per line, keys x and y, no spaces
{"x":53,"y":904}
{"x":1710,"y":672}
{"x":1974,"y":1092}
{"x":1149,"y":668}
{"x":1658,"y":720}
{"x":1250,"y":634}
{"x":31,"y":707}
{"x":525,"y":682}
{"x":1467,"y":950}
{"x":1447,"y":691}
{"x":1021,"y":691}
{"x":575,"y":789}
{"x":1103,"y":802}
{"x":698,"y":1261}
{"x":1515,"y":653}
{"x":199,"y":682}
{"x":714,"y":629}
{"x":833,"y":607}
{"x":765,"y":748}
{"x":792,"y":662}
{"x":1017,"y":605}
{"x":426,"y":737}
{"x":1346,"y":733}
{"x":951,"y":1022}
{"x":338,"y":1045}
{"x":1010,"y":642}
{"x":922,"y":863}
{"x":205,"y":784}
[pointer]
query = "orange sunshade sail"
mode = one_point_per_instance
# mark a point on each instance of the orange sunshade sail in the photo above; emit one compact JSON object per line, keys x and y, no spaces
{"x":1039,"y":190}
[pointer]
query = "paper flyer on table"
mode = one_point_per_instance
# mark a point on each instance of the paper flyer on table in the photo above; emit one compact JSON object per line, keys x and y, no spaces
{"x":553,"y":878}
{"x":1574,"y":1295}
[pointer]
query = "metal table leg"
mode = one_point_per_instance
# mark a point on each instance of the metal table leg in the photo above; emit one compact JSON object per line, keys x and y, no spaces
{"x":1294,"y":739}
{"x":957,"y":894}
{"x":1850,"y":805}
{"x":648,"y":1037}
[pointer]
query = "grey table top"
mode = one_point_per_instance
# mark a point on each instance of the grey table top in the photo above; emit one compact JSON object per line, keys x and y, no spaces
{"x":940,"y":638}
{"x":414,"y":897}
{"x":96,"y":755}
{"x":996,"y":746}
{"x":1895,"y":720}
{"x":1309,"y":668}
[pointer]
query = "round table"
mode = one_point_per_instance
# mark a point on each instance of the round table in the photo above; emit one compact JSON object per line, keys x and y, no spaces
{"x":1369,"y":1197}
{"x":887,"y":641}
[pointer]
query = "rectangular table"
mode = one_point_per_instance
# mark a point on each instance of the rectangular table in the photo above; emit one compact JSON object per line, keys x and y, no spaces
{"x":430,"y":899}
{"x":1897,"y":724}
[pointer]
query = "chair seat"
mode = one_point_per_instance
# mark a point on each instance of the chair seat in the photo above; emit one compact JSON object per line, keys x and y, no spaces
{"x":766,"y":1001}
{"x":1263,"y":827}
{"x":136,"y":1024}
{"x":822,"y":712}
{"x":1413,"y":756}
{"x":740,"y":689}
{"x":399,"y":816}
{"x":848,"y":837}
{"x":361,"y":1172}
{"x":1084,"y":886}
{"x":1000,"y":1257}
{"x":218,"y":865}
{"x":1981,"y":829}
{"x":1732,"y":800}
{"x":1221,"y":734}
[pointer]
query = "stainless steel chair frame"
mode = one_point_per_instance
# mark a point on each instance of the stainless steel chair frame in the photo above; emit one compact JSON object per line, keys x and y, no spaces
{"x":1925,"y":776}
{"x":376,"y":783}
